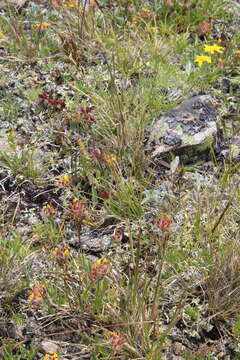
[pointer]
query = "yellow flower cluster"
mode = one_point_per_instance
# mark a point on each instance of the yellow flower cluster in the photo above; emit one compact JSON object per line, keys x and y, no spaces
{"x":64,"y":251}
{"x":110,"y":159}
{"x":201,"y":59}
{"x":146,"y":13}
{"x":211,"y":49}
{"x":42,"y":26}
{"x":103,"y":261}
{"x":53,"y":356}
{"x":64,"y":180}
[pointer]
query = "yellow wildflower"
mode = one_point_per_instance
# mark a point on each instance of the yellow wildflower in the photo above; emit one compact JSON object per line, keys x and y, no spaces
{"x":82,"y":147}
{"x":42,"y":26}
{"x":110,"y":159}
{"x":201,"y":59}
{"x":146,"y":13}
{"x":213,"y":48}
{"x":53,"y":356}
{"x":103,"y":261}
{"x":64,"y":180}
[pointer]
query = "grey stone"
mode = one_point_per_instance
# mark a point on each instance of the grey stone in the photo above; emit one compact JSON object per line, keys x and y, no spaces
{"x":10,"y":330}
{"x":90,"y":242}
{"x":188,"y":130}
{"x":18,"y":4}
{"x":49,"y":347}
{"x":4,"y":145}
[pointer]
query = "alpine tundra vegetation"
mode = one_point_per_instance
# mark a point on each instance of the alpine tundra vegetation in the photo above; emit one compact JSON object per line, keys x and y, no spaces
{"x":119,"y":179}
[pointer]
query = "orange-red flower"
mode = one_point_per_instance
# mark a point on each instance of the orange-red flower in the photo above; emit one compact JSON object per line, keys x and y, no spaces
{"x":117,"y":341}
{"x":163,"y":223}
{"x":99,"y":269}
{"x":36,"y":295}
{"x":49,"y":209}
{"x":78,"y":208}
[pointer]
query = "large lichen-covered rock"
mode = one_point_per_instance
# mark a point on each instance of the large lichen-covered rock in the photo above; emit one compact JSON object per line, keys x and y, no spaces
{"x":17,"y":4}
{"x":188,"y":130}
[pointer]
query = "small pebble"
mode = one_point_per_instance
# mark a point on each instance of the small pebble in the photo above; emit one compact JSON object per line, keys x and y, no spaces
{"x":49,"y":347}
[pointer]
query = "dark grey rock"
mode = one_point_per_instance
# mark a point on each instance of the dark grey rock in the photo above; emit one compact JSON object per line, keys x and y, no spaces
{"x":10,"y":330}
